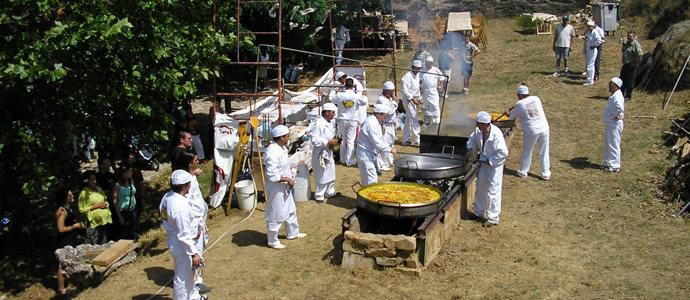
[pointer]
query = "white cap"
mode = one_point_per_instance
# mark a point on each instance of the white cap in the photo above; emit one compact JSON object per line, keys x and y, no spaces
{"x":329,"y":106}
{"x":280,"y":130}
{"x":617,"y":81}
{"x":523,"y":90}
{"x":180,"y":177}
{"x":388,"y":85}
{"x":429,"y":58}
{"x":339,"y":74}
{"x":417,"y":63}
{"x":590,"y":23}
{"x":380,"y":108}
{"x":483,"y":117}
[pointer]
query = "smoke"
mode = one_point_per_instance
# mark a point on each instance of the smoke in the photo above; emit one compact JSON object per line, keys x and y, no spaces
{"x":458,"y":114}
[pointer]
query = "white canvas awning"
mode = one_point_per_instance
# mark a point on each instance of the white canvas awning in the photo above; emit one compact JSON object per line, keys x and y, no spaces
{"x":459,"y":21}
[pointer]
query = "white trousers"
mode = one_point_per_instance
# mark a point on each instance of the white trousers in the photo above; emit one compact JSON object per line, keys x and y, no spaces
{"x":324,"y":189}
{"x":389,"y":137}
{"x":348,"y":145}
{"x":367,"y":169}
{"x":489,"y":185}
{"x":183,"y":282}
{"x":528,"y":143}
{"x":291,"y":229}
{"x":612,"y":144}
{"x":590,"y":59}
{"x":411,"y":127}
{"x":339,"y":44}
{"x":198,"y":147}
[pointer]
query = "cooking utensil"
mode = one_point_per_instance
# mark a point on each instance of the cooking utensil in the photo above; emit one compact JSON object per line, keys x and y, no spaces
{"x":395,"y":210}
{"x":255,"y":124}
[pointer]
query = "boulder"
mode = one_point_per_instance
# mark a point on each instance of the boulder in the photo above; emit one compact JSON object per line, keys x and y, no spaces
{"x":672,"y":51}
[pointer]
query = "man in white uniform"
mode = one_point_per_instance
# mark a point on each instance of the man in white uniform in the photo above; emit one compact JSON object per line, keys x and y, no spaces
{"x":432,"y":82}
{"x":535,"y":129}
{"x":613,"y":117}
{"x":597,"y":62}
{"x":178,"y":217}
{"x":488,"y":140}
{"x":411,"y":98}
{"x":280,"y":206}
{"x":562,"y":45}
{"x":390,"y":134}
{"x":593,"y":40}
{"x":369,"y":143}
{"x":322,"y":135}
{"x":359,"y":89}
{"x":349,"y":102}
{"x":341,"y":37}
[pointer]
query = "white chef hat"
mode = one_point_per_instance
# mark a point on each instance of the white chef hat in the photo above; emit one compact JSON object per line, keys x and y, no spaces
{"x":388,"y":85}
{"x":280,"y":130}
{"x":483,"y":117}
{"x":523,"y":90}
{"x":380,"y":108}
{"x":328,"y":106}
{"x":590,"y":23}
{"x":417,"y":63}
{"x":429,"y":58}
{"x":617,"y":81}
{"x":339,"y":74}
{"x":180,"y":177}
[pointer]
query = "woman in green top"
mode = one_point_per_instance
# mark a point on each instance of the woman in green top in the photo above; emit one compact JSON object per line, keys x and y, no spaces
{"x":94,"y":205}
{"x":125,"y":204}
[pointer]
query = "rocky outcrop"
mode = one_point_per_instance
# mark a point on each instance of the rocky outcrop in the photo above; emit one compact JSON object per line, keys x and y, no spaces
{"x":672,"y":51}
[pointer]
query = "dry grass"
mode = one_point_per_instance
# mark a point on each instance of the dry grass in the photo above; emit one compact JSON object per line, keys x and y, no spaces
{"x":584,"y":234}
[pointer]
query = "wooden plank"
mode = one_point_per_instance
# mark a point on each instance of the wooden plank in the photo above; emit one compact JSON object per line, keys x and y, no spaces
{"x":113,"y":253}
{"x":101,"y":269}
{"x":94,"y":252}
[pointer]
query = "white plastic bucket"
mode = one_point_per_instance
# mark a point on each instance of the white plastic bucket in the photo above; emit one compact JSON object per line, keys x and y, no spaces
{"x":245,"y":194}
{"x":302,"y":190}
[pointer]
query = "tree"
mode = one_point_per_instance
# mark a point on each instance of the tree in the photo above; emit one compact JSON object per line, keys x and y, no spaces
{"x":102,"y":69}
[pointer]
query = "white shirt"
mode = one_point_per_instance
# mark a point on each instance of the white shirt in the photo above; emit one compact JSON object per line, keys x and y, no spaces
{"x":565,"y":35}
{"x":430,"y":80}
{"x":177,"y":218}
{"x":196,"y":202}
{"x":495,"y":150}
{"x":601,"y":32}
{"x":410,"y":87}
{"x":320,"y":133}
{"x":390,"y":117}
{"x":341,"y":33}
{"x":532,"y":117}
{"x":371,"y":137}
{"x":593,"y":39}
{"x":279,"y":201}
{"x":615,"y":107}
{"x":348,"y":103}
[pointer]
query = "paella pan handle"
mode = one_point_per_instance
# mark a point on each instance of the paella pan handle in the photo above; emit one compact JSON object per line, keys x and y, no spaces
{"x":416,"y":166}
{"x":353,"y":187}
{"x":452,"y":149}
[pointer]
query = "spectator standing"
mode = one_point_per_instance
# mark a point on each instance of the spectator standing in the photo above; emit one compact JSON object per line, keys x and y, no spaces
{"x":138,"y":178}
{"x":613,"y":117}
{"x":124,"y":204}
{"x":562,"y":45}
{"x":67,"y":227}
{"x":632,"y":56}
{"x":341,"y":36}
{"x":93,"y":204}
{"x":184,"y":139}
{"x":445,"y":61}
{"x":421,"y":54}
{"x":468,"y":51}
{"x":193,"y":128}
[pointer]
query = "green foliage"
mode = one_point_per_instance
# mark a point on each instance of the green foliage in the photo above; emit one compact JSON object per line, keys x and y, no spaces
{"x":525,"y":22}
{"x":105,"y":69}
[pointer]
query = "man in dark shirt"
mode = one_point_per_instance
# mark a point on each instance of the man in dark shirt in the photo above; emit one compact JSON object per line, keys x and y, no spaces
{"x":184,"y":143}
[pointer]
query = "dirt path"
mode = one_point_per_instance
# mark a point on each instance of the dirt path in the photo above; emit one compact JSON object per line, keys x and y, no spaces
{"x":584,"y":234}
